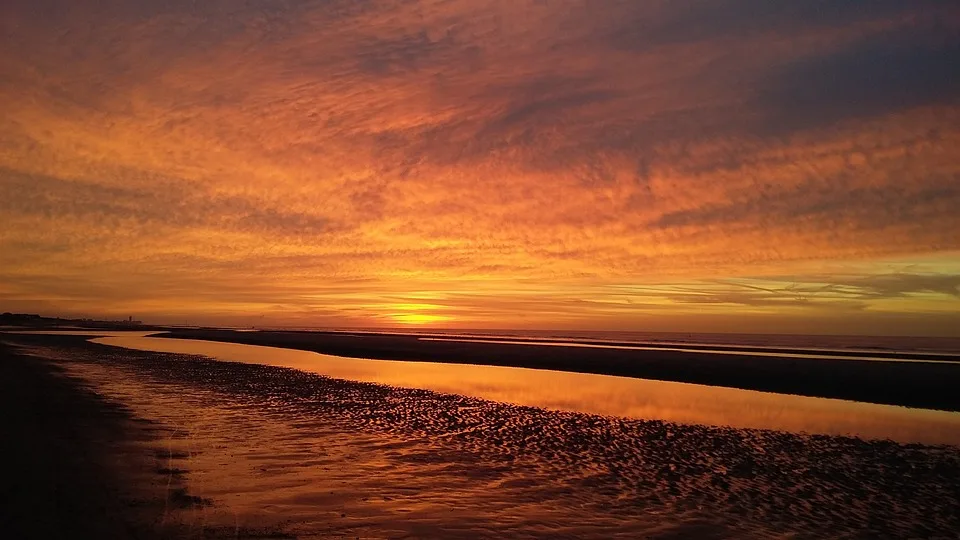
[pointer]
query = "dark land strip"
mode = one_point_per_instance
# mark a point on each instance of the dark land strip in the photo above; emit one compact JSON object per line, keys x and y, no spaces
{"x":930,"y":385}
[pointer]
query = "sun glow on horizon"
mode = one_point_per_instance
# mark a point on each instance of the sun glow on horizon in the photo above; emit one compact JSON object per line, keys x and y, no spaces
{"x":418,"y":319}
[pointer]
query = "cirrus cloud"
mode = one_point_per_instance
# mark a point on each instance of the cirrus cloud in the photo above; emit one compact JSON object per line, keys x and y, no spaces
{"x":520,"y":153}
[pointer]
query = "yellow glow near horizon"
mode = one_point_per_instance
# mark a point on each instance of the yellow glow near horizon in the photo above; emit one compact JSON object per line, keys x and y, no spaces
{"x":419,"y":318}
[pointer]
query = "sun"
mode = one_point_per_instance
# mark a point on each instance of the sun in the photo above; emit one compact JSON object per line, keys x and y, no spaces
{"x":418,"y":318}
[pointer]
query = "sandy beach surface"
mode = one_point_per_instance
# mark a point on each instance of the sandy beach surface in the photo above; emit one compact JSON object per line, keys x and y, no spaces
{"x":128,"y":443}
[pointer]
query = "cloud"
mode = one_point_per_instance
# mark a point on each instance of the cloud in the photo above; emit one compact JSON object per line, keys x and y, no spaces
{"x":158,"y":205}
{"x":890,"y":71}
{"x":899,"y":285}
{"x":484,"y":147}
{"x":651,"y":24}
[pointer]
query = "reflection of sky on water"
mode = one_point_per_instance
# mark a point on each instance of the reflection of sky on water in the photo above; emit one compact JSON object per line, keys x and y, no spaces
{"x":596,"y":394}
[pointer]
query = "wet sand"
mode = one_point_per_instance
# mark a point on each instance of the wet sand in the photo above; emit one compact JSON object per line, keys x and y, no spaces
{"x":82,"y":465}
{"x":77,"y":465}
{"x":286,"y":452}
{"x":929,"y":385}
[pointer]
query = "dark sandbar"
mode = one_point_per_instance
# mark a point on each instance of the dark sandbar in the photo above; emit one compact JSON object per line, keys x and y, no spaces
{"x":929,"y":385}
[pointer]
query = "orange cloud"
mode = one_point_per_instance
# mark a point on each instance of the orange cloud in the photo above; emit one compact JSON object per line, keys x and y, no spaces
{"x":328,"y":162}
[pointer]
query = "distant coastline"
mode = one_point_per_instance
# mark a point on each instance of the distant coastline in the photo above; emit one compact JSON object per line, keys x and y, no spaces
{"x":33,"y":320}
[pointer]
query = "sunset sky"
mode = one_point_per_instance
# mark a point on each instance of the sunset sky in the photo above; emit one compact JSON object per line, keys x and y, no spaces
{"x":681,"y":165}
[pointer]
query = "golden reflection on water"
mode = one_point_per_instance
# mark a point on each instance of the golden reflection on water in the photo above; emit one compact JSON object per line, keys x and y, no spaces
{"x":596,"y":394}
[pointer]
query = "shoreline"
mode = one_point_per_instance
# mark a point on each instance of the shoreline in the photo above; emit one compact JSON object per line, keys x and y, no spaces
{"x":279,"y":452}
{"x":81,"y":466}
{"x":927,"y":385}
{"x":88,"y":464}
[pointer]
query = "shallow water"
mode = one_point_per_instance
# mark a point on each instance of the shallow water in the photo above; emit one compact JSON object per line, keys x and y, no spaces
{"x":311,"y":456}
{"x":596,"y":394}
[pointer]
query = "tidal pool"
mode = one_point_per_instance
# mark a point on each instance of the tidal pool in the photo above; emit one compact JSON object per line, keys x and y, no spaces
{"x":595,"y":394}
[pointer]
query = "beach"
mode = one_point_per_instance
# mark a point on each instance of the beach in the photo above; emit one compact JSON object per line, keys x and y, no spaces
{"x":460,"y":269}
{"x":248,"y":450}
{"x":78,"y":465}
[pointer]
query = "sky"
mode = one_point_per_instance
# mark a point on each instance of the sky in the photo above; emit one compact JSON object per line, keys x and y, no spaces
{"x":651,"y":165}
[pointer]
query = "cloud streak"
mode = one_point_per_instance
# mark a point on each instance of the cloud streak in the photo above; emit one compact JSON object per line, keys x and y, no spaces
{"x":522,"y":150}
